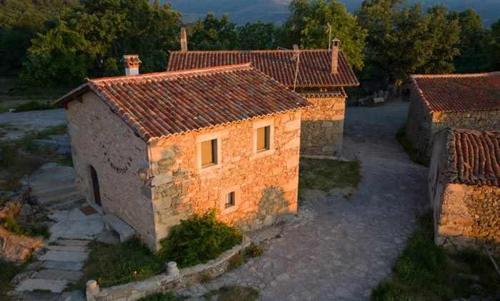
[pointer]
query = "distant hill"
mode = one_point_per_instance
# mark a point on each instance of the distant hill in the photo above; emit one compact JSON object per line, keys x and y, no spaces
{"x":242,"y":11}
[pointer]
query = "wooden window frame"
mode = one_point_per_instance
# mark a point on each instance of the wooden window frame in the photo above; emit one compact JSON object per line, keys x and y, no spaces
{"x":217,"y":136}
{"x":269,"y":124}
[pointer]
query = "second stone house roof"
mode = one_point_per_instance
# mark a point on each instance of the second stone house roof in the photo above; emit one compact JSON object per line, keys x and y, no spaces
{"x":314,"y":65}
{"x":459,"y":92}
{"x":474,"y":157}
{"x":167,"y":103}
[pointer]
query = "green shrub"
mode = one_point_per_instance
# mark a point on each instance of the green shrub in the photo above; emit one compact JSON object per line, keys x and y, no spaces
{"x":236,"y":261}
{"x":254,"y":250}
{"x":121,"y":263}
{"x":7,"y":271}
{"x":34,"y":229}
{"x":160,"y":297}
{"x":425,"y":271}
{"x":198,"y":240}
{"x":34,"y":106}
{"x":232,"y":293}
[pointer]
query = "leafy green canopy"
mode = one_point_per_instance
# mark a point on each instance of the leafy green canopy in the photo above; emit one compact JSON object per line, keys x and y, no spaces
{"x":312,"y":24}
{"x":90,"y":40}
{"x":404,"y":40}
{"x":198,"y":239}
{"x":20,"y":20}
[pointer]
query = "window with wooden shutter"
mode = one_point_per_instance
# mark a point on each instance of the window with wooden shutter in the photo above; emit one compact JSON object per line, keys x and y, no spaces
{"x":209,"y":152}
{"x":263,"y":138}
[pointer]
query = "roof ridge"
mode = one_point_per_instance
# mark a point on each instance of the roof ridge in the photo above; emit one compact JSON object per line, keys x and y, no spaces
{"x":455,"y":75}
{"x":173,"y":74}
{"x":254,"y":50}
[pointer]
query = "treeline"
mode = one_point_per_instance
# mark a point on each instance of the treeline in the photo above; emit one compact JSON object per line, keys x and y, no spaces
{"x":60,"y":42}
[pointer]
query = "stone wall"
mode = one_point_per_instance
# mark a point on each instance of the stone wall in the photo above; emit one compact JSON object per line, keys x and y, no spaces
{"x":422,"y":124}
{"x":99,"y":138}
{"x":469,"y":217}
{"x":323,"y":127}
{"x":265,"y":183}
{"x":418,"y":124}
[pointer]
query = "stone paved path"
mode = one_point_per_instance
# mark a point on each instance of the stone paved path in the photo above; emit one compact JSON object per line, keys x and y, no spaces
{"x":340,"y":249}
{"x":60,"y":263}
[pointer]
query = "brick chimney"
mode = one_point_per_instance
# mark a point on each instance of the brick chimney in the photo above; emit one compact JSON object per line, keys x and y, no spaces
{"x":131,"y":63}
{"x":184,"y":40}
{"x":335,"y":56}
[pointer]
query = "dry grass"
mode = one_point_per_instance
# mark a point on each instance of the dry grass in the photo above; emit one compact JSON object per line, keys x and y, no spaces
{"x":326,"y":175}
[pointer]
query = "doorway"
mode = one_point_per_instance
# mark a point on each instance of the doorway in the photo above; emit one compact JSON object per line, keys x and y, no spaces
{"x":95,"y":185}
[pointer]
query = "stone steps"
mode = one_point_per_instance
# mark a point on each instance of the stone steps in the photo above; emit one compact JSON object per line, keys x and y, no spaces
{"x":60,"y":265}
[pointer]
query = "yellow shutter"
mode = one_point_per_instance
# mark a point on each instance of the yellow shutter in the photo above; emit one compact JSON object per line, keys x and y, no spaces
{"x":263,"y":138}
{"x":207,"y":155}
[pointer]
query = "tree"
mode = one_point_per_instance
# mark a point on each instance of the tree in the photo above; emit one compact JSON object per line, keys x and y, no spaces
{"x":61,"y":55}
{"x":312,"y":24}
{"x":442,"y":39}
{"x":212,"y":33}
{"x":20,"y":20}
{"x":405,"y":40}
{"x":106,"y":30}
{"x":474,"y":41}
{"x":258,"y":35}
{"x":494,"y":46}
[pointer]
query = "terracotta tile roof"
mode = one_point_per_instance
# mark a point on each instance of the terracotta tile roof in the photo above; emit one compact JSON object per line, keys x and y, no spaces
{"x":168,"y":103}
{"x":459,"y":92}
{"x":474,"y":157}
{"x":314,"y":67}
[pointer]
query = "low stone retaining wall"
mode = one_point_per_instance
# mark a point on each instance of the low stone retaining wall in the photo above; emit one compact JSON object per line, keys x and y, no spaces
{"x":171,"y":279}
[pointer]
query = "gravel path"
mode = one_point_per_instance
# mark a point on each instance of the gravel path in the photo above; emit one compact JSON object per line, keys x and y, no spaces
{"x":340,"y":249}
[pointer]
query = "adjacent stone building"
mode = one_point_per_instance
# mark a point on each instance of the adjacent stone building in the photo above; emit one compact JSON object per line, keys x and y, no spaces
{"x":320,"y":75}
{"x":452,"y":100}
{"x":152,"y":149}
{"x":464,"y":188}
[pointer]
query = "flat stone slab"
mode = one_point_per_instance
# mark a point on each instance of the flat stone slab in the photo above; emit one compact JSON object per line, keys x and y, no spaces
{"x":74,"y":224}
{"x":67,"y":248}
{"x":63,"y":265}
{"x":124,"y":230}
{"x":70,"y":276}
{"x":55,"y":286}
{"x":64,"y":256}
{"x":72,"y":242}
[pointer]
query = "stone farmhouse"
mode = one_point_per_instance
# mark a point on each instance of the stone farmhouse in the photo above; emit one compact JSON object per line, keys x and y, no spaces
{"x":454,"y":100}
{"x":319,"y":75}
{"x":152,"y":149}
{"x":464,"y":188}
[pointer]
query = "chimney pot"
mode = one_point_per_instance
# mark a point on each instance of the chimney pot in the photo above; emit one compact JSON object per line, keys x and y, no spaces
{"x":335,"y":56}
{"x":131,"y":63}
{"x":184,"y":40}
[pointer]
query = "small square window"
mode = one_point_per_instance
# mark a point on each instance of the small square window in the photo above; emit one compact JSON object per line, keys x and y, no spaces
{"x":263,"y":138}
{"x":230,"y":200}
{"x":209,"y":153}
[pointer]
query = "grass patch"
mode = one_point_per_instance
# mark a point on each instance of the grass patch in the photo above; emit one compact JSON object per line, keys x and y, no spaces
{"x":425,"y":271}
{"x":34,"y":228}
{"x":161,"y":297}
{"x":23,"y":156}
{"x":198,"y":240}
{"x":415,"y":155}
{"x":232,"y":293}
{"x":328,"y":174}
{"x":7,"y":271}
{"x":34,"y":106}
{"x":121,"y":263}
